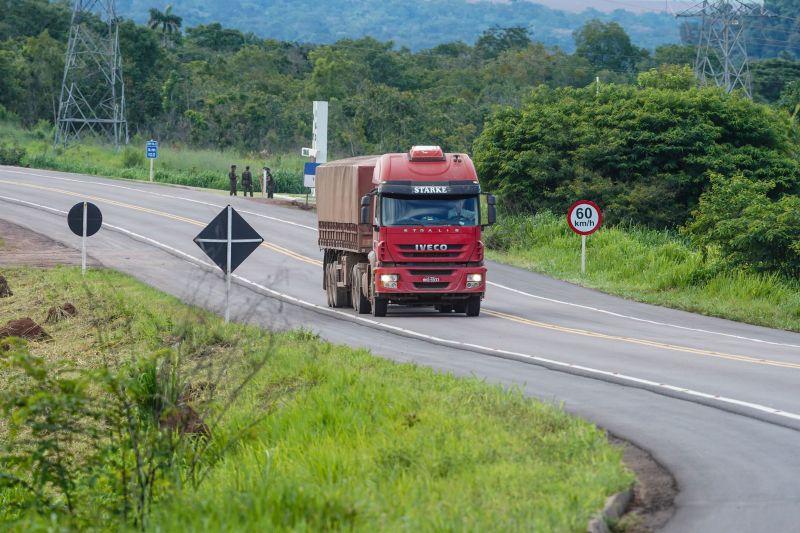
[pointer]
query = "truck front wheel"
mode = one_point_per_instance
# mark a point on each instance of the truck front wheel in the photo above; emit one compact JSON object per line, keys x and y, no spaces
{"x":474,"y":305}
{"x":360,"y":302}
{"x":379,"y":306}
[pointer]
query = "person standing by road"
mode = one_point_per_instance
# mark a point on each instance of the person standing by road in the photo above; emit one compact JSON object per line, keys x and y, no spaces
{"x":232,"y":179}
{"x":247,"y":182}
{"x":270,"y":181}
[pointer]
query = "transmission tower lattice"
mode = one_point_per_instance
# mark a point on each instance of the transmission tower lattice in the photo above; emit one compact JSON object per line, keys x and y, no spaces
{"x":722,"y":46}
{"x":92,"y":92}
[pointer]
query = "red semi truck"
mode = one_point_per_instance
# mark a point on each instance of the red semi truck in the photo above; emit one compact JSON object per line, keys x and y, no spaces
{"x":403,"y":229}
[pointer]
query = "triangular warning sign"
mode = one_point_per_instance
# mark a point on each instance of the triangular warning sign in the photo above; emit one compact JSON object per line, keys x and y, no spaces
{"x":213,"y":240}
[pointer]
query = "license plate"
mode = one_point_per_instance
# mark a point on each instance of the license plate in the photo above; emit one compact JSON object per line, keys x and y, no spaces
{"x":430,"y":279}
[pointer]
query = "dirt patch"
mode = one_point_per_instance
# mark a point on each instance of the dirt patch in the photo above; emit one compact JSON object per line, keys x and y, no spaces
{"x":57,"y":314}
{"x":653,"y":502}
{"x":25,"y":328}
{"x":186,"y":420}
{"x":26,"y":247}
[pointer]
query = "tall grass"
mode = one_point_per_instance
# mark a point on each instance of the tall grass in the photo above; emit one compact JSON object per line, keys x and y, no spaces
{"x":658,"y":267}
{"x":176,"y":164}
{"x":343,"y":440}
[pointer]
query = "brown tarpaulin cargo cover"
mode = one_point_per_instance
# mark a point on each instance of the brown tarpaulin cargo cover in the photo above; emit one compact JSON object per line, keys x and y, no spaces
{"x":340,"y":186}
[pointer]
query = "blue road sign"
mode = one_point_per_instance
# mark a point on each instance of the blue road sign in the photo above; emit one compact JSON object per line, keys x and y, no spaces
{"x":310,"y":174}
{"x":152,"y":149}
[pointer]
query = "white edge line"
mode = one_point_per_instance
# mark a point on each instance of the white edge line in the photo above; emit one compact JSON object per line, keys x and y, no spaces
{"x":498,"y":285}
{"x":637,"y":319}
{"x":458,"y":344}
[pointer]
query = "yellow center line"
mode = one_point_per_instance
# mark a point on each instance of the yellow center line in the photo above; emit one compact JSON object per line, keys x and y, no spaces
{"x":505,"y":316}
{"x":643,"y":342}
{"x":267,"y":245}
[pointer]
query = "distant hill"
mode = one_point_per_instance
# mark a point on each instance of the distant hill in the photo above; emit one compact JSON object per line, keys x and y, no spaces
{"x":416,"y":24}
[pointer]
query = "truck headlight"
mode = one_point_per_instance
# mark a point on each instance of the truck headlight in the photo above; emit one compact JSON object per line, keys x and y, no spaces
{"x":389,"y":281}
{"x":474,"y":280}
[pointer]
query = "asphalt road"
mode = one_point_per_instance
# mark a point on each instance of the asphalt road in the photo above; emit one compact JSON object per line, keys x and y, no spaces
{"x":714,"y":401}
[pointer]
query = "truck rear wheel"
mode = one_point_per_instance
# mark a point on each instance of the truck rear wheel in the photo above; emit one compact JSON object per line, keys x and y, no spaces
{"x":379,"y":306}
{"x":474,"y":306}
{"x":360,"y":302}
{"x":337,"y":296}
{"x":329,"y":284}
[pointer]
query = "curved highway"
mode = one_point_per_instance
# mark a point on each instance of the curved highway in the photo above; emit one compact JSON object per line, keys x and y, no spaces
{"x":716,"y":402}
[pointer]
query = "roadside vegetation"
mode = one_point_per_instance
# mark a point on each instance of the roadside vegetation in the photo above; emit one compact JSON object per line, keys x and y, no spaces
{"x":657,"y":267}
{"x":140,"y":412}
{"x":176,"y":164}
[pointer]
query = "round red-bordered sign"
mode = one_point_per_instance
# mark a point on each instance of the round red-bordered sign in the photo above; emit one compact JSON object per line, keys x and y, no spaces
{"x":584,"y":217}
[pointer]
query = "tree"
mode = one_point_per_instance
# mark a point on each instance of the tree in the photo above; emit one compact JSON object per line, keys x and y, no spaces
{"x":607,"y":46}
{"x":674,"y":77}
{"x":170,"y":24}
{"x":644,"y":154}
{"x":495,"y":41}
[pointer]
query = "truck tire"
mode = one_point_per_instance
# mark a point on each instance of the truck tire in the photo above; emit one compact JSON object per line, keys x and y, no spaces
{"x":329,"y":284}
{"x":360,"y":302}
{"x":444,"y":308}
{"x":379,"y":306}
{"x":474,"y":306}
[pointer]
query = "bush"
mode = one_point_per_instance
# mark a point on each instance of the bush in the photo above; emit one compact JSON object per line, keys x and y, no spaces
{"x":11,"y":154}
{"x":739,"y":217}
{"x":132,"y":157}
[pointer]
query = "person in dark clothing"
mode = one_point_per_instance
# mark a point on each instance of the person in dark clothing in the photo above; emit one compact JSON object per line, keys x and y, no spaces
{"x":247,"y":182}
{"x":270,"y":181}
{"x":232,"y":178}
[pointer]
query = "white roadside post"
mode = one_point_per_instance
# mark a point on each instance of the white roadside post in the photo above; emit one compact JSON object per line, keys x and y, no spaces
{"x":228,"y":268}
{"x":319,"y":142}
{"x":83,"y":240}
{"x":584,"y":218}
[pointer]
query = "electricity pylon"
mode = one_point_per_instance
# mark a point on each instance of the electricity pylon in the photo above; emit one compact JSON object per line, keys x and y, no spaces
{"x":722,"y":47}
{"x":92,"y":92}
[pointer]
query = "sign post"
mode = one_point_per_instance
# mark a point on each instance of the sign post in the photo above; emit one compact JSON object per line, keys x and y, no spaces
{"x":228,"y":240}
{"x":584,"y":218}
{"x":319,"y":141}
{"x":84,"y":220}
{"x":151,"y":150}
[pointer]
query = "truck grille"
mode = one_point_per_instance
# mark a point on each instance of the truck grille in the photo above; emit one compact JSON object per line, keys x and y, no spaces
{"x":431,"y":254}
{"x":431,"y":272}
{"x":431,"y":286}
{"x":410,"y":247}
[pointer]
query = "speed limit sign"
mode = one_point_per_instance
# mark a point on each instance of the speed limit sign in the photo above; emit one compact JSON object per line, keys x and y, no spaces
{"x":584,"y":217}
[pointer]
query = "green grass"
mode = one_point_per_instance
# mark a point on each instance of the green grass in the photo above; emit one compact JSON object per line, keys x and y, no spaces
{"x":650,"y":266}
{"x":345,"y":440}
{"x":176,"y":164}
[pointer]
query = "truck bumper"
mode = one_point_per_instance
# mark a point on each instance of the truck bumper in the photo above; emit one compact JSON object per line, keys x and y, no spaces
{"x":429,"y":284}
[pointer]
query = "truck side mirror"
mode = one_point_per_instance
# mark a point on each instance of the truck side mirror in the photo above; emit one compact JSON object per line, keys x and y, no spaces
{"x":364,"y":215}
{"x":492,"y":212}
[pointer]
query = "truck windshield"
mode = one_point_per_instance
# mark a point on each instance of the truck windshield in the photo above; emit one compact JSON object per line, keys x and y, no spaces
{"x":429,"y":211}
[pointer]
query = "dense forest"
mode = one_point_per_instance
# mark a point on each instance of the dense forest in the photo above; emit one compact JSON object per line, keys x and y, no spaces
{"x":416,"y":25}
